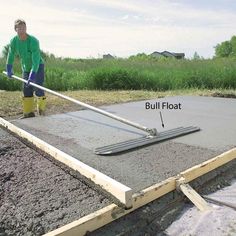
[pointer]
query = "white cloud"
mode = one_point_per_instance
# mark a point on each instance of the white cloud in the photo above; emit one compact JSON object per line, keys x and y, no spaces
{"x":125,"y":17}
{"x":135,"y":6}
{"x":127,"y":27}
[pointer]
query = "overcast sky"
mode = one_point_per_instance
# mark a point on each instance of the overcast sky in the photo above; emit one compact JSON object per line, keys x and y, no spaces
{"x":91,"y":28}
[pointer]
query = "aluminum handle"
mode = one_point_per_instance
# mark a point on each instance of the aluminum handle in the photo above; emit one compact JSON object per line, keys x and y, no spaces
{"x":152,"y":132}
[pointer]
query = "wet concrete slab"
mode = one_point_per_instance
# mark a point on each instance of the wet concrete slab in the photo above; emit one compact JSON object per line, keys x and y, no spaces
{"x":78,"y":133}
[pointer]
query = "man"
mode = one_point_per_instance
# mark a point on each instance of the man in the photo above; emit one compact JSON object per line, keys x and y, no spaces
{"x":27,"y":47}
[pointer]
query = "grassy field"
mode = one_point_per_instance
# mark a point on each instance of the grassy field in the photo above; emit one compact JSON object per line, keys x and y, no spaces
{"x":99,"y":82}
{"x":132,"y":74}
{"x":11,"y":107}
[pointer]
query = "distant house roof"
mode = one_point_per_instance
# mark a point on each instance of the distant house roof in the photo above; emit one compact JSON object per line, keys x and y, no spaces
{"x":107,"y":56}
{"x":168,"y":54}
{"x":179,"y":55}
{"x":156,"y":54}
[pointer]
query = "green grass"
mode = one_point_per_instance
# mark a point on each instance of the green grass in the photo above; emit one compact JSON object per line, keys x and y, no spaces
{"x":11,"y":105}
{"x":127,"y":74}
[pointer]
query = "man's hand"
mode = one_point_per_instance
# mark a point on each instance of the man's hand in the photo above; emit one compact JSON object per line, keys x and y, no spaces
{"x":9,"y":71}
{"x":31,"y":78}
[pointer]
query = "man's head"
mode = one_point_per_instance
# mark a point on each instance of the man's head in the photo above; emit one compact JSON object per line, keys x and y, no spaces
{"x":20,"y":28}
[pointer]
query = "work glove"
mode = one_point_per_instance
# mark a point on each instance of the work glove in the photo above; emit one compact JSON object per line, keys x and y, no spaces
{"x":31,"y":78}
{"x":9,"y":71}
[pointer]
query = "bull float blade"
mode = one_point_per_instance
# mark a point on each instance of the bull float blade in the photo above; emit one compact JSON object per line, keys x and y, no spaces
{"x":144,"y":141}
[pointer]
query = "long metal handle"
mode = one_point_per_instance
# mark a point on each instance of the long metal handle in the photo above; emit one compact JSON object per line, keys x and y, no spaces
{"x":152,"y":132}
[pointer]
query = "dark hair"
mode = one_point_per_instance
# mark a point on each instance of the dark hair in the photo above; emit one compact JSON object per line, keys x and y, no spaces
{"x":19,"y":22}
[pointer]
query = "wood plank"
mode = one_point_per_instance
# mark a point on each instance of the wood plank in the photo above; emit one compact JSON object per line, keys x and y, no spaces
{"x":209,"y":165}
{"x":153,"y":192}
{"x":118,"y":190}
{"x":112,"y":212}
{"x":194,"y":197}
{"x":88,"y":223}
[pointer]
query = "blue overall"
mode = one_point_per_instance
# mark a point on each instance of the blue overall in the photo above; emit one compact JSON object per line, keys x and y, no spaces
{"x":39,"y":79}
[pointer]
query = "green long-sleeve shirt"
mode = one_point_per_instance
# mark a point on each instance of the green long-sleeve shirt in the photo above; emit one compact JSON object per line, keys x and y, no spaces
{"x":29,"y":53}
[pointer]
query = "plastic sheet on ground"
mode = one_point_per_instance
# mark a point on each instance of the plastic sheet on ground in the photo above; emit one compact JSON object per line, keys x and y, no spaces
{"x":221,"y":220}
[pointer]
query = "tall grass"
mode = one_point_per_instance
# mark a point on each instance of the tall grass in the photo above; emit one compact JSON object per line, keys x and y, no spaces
{"x":131,"y":74}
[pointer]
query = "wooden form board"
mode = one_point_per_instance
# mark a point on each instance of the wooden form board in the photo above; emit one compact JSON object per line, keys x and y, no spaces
{"x":209,"y":165}
{"x":118,"y":190}
{"x":112,"y":212}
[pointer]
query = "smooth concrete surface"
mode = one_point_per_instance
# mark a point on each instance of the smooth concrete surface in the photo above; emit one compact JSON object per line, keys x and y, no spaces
{"x":78,"y":133}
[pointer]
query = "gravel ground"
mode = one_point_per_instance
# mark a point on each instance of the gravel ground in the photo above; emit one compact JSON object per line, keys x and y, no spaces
{"x":37,"y":196}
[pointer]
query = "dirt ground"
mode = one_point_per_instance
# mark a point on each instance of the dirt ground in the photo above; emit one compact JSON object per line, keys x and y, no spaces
{"x":36,"y":196}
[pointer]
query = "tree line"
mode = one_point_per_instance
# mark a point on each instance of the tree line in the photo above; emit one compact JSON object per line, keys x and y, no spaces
{"x":226,"y":48}
{"x":223,"y":49}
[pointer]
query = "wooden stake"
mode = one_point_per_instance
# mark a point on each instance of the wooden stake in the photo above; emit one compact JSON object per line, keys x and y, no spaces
{"x":192,"y":195}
